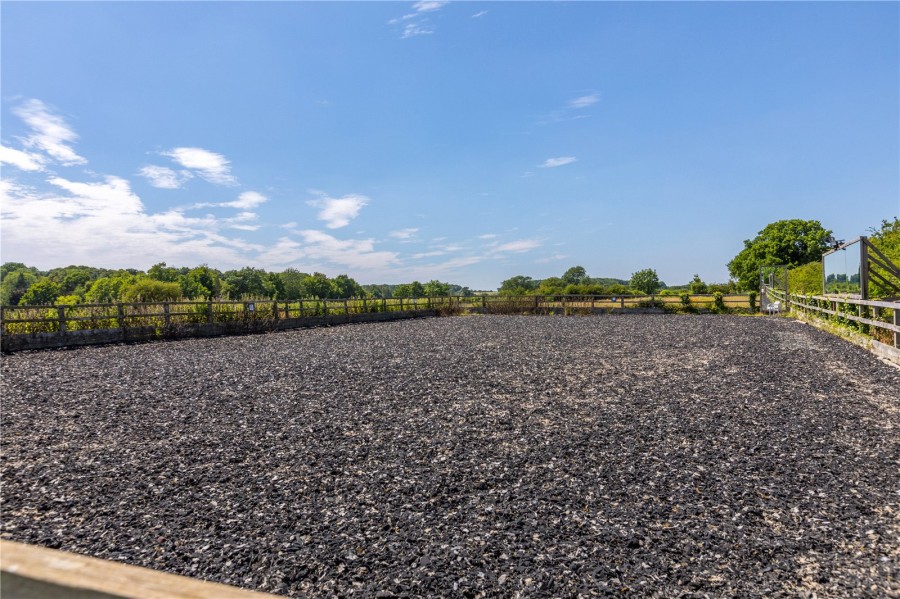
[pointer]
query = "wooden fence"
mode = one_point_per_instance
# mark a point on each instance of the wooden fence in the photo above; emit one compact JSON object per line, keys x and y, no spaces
{"x":34,"y":327}
{"x":847,"y":309}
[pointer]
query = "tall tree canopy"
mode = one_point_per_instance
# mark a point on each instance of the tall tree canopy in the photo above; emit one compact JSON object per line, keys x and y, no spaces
{"x":785,"y":242}
{"x":646,"y":281}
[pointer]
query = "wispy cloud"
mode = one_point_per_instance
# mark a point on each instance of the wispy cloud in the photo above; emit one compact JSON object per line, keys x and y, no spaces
{"x":213,"y":167}
{"x":50,"y":133}
{"x":163,"y":177}
{"x":521,"y":245}
{"x":557,"y":162}
{"x":487,"y":236}
{"x":403,"y":233}
{"x":479,"y":14}
{"x":25,"y":161}
{"x":428,"y":5}
{"x":585,"y":101}
{"x":338,"y":212}
{"x":415,"y":23}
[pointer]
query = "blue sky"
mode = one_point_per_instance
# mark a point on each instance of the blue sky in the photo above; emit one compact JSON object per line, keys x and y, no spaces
{"x":463,"y":141}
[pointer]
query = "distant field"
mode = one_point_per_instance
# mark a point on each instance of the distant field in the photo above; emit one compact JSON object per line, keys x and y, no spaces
{"x":650,"y":455}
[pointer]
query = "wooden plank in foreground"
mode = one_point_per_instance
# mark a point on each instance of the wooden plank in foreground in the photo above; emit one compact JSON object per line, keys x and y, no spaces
{"x":32,"y":572}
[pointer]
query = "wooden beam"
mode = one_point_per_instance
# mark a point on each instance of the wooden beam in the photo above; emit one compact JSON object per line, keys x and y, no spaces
{"x":32,"y":572}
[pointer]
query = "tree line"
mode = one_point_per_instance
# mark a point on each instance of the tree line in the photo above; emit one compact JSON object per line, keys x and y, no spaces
{"x":575,"y":281}
{"x":26,"y":285}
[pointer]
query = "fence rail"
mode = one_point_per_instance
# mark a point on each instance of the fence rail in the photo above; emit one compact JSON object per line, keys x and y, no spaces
{"x":64,"y":325}
{"x":837,"y":306}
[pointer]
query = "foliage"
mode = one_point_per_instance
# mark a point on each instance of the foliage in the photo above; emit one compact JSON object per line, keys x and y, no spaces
{"x":575,"y":276}
{"x":887,"y":240}
{"x":751,"y":297}
{"x":201,"y":282}
{"x":645,"y":281}
{"x":15,"y":284}
{"x":806,"y":279}
{"x":292,"y":284}
{"x":317,"y":285}
{"x":786,"y":242}
{"x":247,"y":282}
{"x":435,"y":288}
{"x":107,"y":290}
{"x":42,"y":293}
{"x":414,"y":289}
{"x":161,"y":272}
{"x":517,"y":285}
{"x":145,"y":289}
{"x":697,"y":286}
{"x":343,"y":286}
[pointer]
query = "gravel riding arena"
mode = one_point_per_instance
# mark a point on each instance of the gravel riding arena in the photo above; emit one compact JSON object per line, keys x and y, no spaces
{"x":532,"y":456}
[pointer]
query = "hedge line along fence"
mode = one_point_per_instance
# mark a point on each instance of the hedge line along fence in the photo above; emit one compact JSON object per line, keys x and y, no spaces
{"x":59,"y":326}
{"x":879,"y":319}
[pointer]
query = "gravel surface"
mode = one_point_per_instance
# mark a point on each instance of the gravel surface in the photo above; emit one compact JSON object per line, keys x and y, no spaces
{"x":539,"y":456}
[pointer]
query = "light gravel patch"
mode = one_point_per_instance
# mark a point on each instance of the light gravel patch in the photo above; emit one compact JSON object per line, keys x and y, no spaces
{"x":544,"y":456}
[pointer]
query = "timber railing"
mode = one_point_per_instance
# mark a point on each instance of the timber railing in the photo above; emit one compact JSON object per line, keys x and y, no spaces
{"x":36,"y":327}
{"x":877,"y":314}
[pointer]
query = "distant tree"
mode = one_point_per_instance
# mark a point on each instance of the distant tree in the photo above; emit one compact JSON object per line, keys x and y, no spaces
{"x":551,"y":286}
{"x":107,"y":290}
{"x":42,"y":293}
{"x":9,"y":267}
{"x":517,"y":285}
{"x":247,"y":282}
{"x":343,"y":287}
{"x":145,"y":289}
{"x":15,"y":284}
{"x":161,"y":272}
{"x":414,"y":289}
{"x":317,"y":285}
{"x":785,"y":242}
{"x":292,"y":282}
{"x":698,"y":286}
{"x":435,"y":288}
{"x":575,"y":276}
{"x":201,"y":282}
{"x":645,"y":281}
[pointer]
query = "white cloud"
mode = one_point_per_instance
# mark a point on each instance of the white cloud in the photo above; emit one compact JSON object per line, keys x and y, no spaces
{"x":25,"y":161}
{"x":555,"y":162}
{"x":584,"y":101}
{"x":428,"y":5}
{"x":480,"y":13}
{"x":213,"y":167}
{"x":248,"y":199}
{"x":487,"y":236}
{"x":164,"y":177}
{"x":338,"y":212}
{"x":404,"y":233}
{"x":50,"y":134}
{"x":352,"y":253}
{"x":521,"y":245}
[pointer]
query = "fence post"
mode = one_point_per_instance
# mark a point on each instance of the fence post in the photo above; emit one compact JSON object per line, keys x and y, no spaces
{"x":166,"y":313}
{"x":365,"y":305}
{"x":483,"y":303}
{"x":346,"y":308}
{"x":622,"y":302}
{"x":121,"y":311}
{"x":275,"y":310}
{"x":210,"y":318}
{"x":61,"y":310}
{"x":896,"y":324}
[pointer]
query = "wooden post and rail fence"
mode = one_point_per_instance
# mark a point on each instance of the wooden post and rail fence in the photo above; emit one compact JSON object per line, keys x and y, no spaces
{"x":840,"y":307}
{"x":39,"y":327}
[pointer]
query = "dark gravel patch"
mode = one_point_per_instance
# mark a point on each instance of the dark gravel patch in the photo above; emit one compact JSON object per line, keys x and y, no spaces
{"x":490,"y":455}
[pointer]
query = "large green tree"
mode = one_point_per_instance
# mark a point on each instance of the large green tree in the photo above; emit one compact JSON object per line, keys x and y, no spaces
{"x":646,"y":281}
{"x":575,"y":276}
{"x":15,"y":284}
{"x":785,"y":242}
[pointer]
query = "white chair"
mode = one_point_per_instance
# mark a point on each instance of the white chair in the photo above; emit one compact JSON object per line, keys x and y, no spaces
{"x":774,"y":308}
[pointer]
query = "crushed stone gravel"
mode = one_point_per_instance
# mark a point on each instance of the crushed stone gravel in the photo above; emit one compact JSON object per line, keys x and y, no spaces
{"x":533,"y":456}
